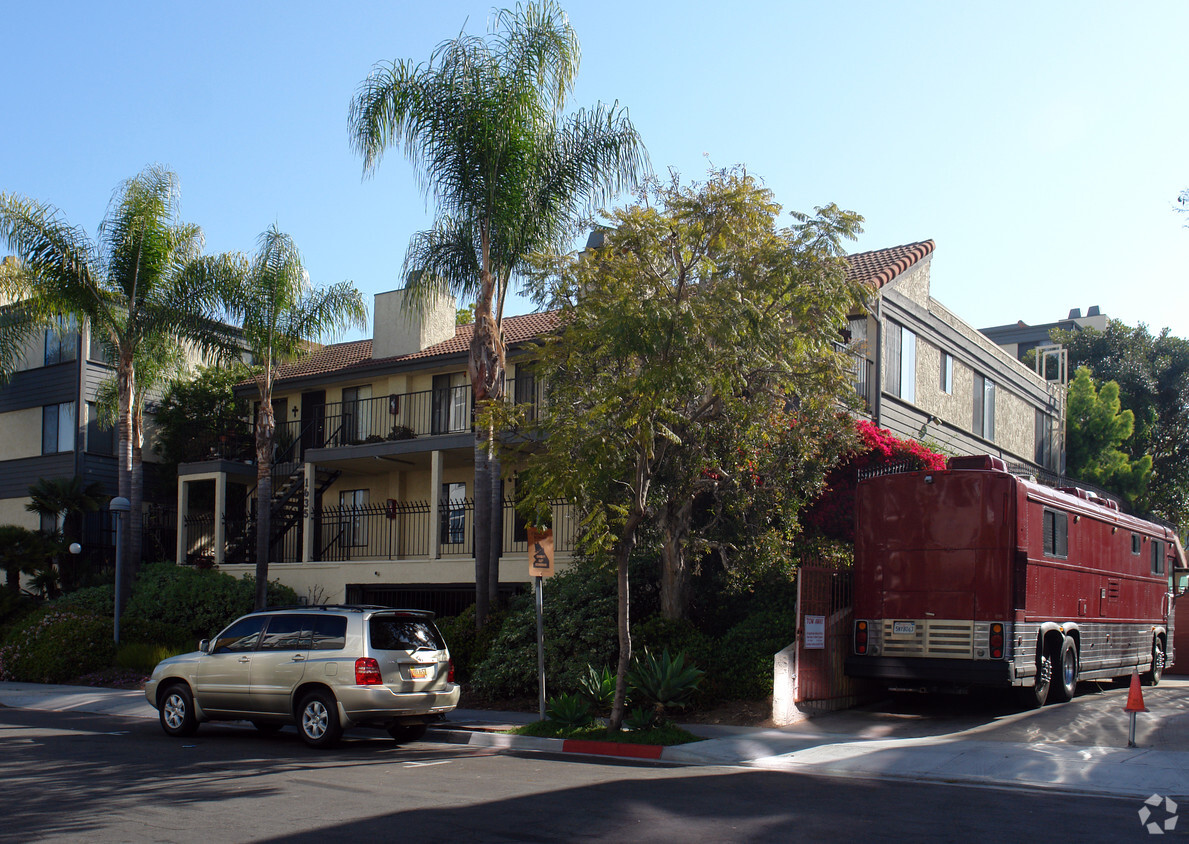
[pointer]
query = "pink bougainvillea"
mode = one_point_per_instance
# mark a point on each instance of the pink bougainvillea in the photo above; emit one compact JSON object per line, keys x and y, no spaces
{"x":832,"y":515}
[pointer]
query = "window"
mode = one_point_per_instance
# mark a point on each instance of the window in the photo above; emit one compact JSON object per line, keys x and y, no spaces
{"x":450,"y":393}
{"x":1135,"y":543}
{"x":96,"y":350}
{"x":454,"y":514}
{"x":1056,"y":533}
{"x":357,"y":403}
{"x":61,"y":343}
{"x":51,"y":523}
{"x":353,"y":512}
{"x":241,"y":636}
{"x":100,"y":440}
{"x":286,"y":633}
{"x":947,"y":373}
{"x":329,"y":633}
{"x":984,"y":407}
{"x":1043,"y":440}
{"x":901,"y":362}
{"x":525,"y":392}
{"x":1157,"y":556}
{"x":396,"y":633}
{"x":57,"y":428}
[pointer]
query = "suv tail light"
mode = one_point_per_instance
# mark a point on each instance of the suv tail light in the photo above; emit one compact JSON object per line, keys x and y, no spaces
{"x":367,"y":672}
{"x":860,"y":637}
{"x":450,"y":672}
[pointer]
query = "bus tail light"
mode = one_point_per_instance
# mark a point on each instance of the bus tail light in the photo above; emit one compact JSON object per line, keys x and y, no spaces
{"x":860,"y":637}
{"x":996,"y":641}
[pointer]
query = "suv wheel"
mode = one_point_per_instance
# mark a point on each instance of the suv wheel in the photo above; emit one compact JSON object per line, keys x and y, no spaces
{"x":318,"y":720}
{"x":177,"y":711}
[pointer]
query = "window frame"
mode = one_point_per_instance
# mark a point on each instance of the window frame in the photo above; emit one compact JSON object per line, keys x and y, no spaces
{"x":947,"y":373}
{"x":1055,"y":532}
{"x":1157,"y":552}
{"x":63,"y":435}
{"x":900,"y":347}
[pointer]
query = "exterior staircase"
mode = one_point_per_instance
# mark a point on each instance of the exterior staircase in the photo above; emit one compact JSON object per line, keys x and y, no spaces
{"x":287,"y":509}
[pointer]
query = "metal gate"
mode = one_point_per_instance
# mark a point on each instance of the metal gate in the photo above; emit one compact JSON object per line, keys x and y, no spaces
{"x":821,"y":683}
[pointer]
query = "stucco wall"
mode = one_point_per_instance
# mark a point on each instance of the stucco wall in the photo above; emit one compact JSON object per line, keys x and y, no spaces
{"x":13,"y":512}
{"x":22,"y":433}
{"x":914,"y":284}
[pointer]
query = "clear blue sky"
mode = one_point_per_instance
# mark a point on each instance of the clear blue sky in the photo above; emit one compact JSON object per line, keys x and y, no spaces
{"x":1041,"y":145}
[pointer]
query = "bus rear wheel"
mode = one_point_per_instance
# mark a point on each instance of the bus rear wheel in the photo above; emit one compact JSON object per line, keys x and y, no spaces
{"x":1034,"y":696}
{"x":1066,"y":669}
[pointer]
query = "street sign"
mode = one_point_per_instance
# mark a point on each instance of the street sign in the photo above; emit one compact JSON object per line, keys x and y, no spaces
{"x":815,"y":632}
{"x":540,"y":553}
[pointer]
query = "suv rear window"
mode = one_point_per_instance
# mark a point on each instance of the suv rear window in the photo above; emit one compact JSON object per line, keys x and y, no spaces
{"x":403,"y":633}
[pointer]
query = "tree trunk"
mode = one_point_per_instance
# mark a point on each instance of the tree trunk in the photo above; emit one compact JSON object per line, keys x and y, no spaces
{"x":125,"y":382}
{"x":265,"y":425}
{"x":136,"y":499}
{"x":674,"y":524}
{"x":495,"y":503}
{"x":623,"y":552}
{"x":482,"y":519}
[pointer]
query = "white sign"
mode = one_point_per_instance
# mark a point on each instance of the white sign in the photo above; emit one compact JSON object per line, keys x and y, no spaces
{"x":815,"y":632}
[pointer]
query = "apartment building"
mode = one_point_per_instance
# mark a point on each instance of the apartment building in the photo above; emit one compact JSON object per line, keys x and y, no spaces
{"x":373,"y":474}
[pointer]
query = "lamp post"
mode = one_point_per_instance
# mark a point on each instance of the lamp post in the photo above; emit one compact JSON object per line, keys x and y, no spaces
{"x":119,"y":506}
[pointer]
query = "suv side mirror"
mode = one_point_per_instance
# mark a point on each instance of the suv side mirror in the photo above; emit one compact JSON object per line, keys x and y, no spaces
{"x":1180,"y":581}
{"x":205,"y":646}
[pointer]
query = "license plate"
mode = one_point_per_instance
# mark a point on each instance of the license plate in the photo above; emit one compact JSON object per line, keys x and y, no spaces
{"x":904,"y":628}
{"x":419,"y":672}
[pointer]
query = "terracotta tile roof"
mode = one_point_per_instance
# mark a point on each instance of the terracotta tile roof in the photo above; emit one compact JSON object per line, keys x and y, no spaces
{"x":877,"y":268}
{"x":880,"y":266}
{"x":341,"y":358}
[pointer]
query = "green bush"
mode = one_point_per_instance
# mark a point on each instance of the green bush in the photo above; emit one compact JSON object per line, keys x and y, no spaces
{"x":663,"y":682}
{"x":743,"y":669}
{"x":468,"y":647}
{"x":96,"y":600}
{"x":579,"y":609}
{"x":142,"y":656}
{"x":56,"y":646}
{"x":193,"y":603}
{"x":569,"y":711}
{"x":14,"y":608}
{"x":598,"y":688}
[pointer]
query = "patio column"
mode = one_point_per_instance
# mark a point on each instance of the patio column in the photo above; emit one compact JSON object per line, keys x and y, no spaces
{"x":220,"y":516}
{"x":307,"y":527}
{"x":183,"y":511}
{"x":436,"y":462}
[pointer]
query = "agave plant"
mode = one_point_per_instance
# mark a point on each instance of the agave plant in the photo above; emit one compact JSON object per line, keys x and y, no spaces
{"x":598,"y":688}
{"x":641,"y":718}
{"x":663,"y":683}
{"x":569,"y":711}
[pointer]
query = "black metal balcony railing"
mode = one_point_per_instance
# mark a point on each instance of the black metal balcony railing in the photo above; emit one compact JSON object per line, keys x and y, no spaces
{"x":396,"y":530}
{"x":862,"y":374}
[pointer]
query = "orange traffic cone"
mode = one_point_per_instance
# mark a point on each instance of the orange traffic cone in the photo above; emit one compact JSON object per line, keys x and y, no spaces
{"x":1135,"y":697}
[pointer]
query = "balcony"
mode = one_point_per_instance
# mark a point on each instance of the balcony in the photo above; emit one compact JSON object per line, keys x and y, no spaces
{"x":395,"y":530}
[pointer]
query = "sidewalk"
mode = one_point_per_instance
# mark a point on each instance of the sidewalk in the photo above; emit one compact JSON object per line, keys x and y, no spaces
{"x":953,"y":758}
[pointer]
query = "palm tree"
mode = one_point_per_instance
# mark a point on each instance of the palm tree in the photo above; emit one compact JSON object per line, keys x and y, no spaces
{"x":65,"y":500}
{"x":144,"y":278}
{"x":509,"y":174}
{"x":281,"y":315}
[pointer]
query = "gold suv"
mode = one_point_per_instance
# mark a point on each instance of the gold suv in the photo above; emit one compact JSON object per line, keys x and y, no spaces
{"x":323,"y":668}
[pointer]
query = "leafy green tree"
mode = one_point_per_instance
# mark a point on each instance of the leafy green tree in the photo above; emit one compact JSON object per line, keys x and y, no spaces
{"x":1097,"y":427}
{"x":281,"y":314}
{"x":1152,"y":372}
{"x":66,"y":500}
{"x":198,"y":410}
{"x":22,"y":551}
{"x":699,"y":315}
{"x":143,"y":279}
{"x":482,"y":120}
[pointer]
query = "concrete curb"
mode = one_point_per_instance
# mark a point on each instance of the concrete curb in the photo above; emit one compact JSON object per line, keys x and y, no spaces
{"x":538,"y":744}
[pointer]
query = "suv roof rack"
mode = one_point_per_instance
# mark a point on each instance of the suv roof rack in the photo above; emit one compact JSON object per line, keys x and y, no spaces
{"x":347,"y":607}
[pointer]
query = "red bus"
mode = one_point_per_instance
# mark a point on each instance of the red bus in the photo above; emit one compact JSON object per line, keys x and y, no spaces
{"x":972,"y":576}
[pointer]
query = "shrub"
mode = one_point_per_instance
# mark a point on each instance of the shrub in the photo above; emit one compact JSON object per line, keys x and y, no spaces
{"x":663,"y":683}
{"x":142,"y":657}
{"x":579,"y":610}
{"x":96,"y":600}
{"x":56,"y":646}
{"x":569,"y":711}
{"x":468,"y":647}
{"x":598,"y":688}
{"x":193,"y":603}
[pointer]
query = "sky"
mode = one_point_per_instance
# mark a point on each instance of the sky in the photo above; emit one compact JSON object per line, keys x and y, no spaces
{"x":1042,"y":146}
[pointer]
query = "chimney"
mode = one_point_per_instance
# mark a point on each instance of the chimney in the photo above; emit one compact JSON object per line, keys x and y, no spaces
{"x":404,"y":328}
{"x":1075,"y":313}
{"x":1093,"y":311}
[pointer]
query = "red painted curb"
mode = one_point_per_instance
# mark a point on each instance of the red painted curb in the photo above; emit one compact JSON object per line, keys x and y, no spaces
{"x":613,"y":748}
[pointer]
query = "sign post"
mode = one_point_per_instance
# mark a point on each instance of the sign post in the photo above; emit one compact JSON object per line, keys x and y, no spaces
{"x":540,"y":566}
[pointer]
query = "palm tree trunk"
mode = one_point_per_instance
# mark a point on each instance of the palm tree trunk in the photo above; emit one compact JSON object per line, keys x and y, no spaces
{"x":495,"y":504}
{"x":265,"y":426}
{"x":136,"y":499}
{"x":482,"y":531}
{"x":125,"y":383}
